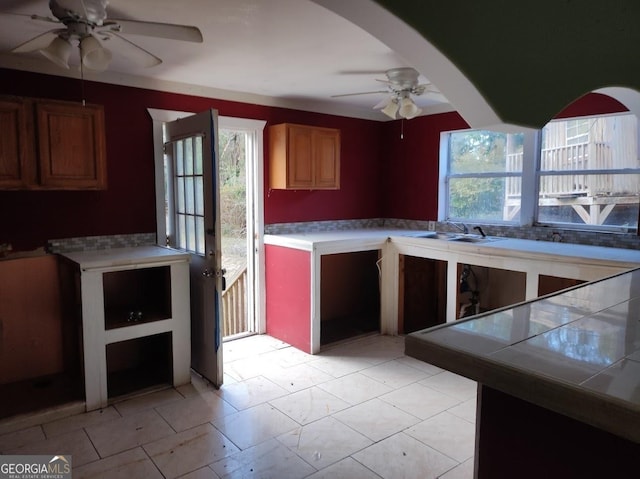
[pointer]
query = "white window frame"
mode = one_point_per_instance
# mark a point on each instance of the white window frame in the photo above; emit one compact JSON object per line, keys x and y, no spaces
{"x":531,"y":176}
{"x":527,"y":206}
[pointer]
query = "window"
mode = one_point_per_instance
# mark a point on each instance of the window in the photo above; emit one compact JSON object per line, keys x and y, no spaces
{"x":484,"y":176}
{"x":188,"y":189}
{"x":584,"y":172}
{"x":593,"y":177}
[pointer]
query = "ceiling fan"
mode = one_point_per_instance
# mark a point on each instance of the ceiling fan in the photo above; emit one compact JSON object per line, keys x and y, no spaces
{"x":401,"y":84}
{"x":84,"y":23}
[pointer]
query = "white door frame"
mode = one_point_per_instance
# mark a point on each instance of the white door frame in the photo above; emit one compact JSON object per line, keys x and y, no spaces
{"x":255,"y":196}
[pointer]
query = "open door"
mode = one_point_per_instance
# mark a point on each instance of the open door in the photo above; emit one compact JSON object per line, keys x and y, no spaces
{"x":193,"y":225}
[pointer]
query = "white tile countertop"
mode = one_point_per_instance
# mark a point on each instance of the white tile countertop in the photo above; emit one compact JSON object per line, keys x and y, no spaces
{"x":576,"y":353}
{"x":498,"y":246}
{"x":106,"y":258}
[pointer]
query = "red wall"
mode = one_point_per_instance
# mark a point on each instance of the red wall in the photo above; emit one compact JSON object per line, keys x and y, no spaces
{"x":288,"y":287}
{"x":410,"y":165}
{"x":29,"y":218}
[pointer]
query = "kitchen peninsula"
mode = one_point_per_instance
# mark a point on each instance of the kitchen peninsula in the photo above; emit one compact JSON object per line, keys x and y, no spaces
{"x":559,"y":381}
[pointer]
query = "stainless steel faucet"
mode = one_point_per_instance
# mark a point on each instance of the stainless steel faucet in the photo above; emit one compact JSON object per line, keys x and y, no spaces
{"x":462,"y":227}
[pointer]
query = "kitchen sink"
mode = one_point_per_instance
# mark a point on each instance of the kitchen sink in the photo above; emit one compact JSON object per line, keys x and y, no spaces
{"x":474,"y":238}
{"x":448,"y":236}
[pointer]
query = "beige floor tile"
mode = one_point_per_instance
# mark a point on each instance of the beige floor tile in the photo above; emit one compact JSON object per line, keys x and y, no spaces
{"x":295,"y":378}
{"x":80,"y":421}
{"x":128,"y":432}
{"x":245,"y":394}
{"x":189,"y":450}
{"x":75,"y":443}
{"x":463,"y":471}
{"x":452,"y":384}
{"x":126,"y":465}
{"x":347,"y":468}
{"x":198,"y":385}
{"x":311,"y":442}
{"x":355,"y":388}
{"x":338,"y":366}
{"x":386,"y":349}
{"x":448,"y":434}
{"x":309,"y":405}
{"x":403,"y":457}
{"x":195,"y":410}
{"x":419,"y":400}
{"x":249,"y":346}
{"x":287,"y":357}
{"x":147,"y":401}
{"x":252,"y":426}
{"x":267,"y":460}
{"x":202,"y":473}
{"x":430,"y":369}
{"x":376,"y":419}
{"x":394,"y":374}
{"x":466,"y":410}
{"x":21,"y":438}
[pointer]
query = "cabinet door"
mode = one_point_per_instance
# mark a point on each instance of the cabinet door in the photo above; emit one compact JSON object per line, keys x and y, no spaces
{"x":300,"y":167}
{"x":71,"y":146}
{"x":326,"y":144}
{"x":16,"y":141}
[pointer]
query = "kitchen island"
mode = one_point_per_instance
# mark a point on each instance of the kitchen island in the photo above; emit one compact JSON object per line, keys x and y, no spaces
{"x":559,"y":381}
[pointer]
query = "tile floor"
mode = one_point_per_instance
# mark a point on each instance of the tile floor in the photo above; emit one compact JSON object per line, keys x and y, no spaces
{"x":360,"y":409}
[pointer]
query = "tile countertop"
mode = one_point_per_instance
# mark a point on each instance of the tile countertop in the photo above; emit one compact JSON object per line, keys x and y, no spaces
{"x":107,"y":258}
{"x":544,"y":250}
{"x":576,"y":353}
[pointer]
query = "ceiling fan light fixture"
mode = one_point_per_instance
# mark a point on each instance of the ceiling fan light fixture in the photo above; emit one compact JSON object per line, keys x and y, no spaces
{"x":391,"y":109}
{"x":58,"y":52}
{"x":94,"y":55}
{"x":408,"y":109}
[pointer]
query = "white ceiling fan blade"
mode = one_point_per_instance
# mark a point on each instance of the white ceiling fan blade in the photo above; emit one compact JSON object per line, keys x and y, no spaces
{"x":133,"y":52}
{"x":361,"y":93}
{"x":170,"y":31}
{"x":38,"y":43}
{"x":383,"y":103}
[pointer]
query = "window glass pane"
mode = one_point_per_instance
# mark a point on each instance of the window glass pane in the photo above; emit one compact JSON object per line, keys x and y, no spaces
{"x":189,"y":195}
{"x":200,"y":234}
{"x":601,"y":154}
{"x":199,"y":195}
{"x":179,"y":147}
{"x":180,"y":195}
{"x":198,"y":155}
{"x":481,"y":151}
{"x":191,"y":233}
{"x":483,"y":199}
{"x":188,"y":156}
{"x":596,"y":207}
{"x":610,"y":142}
{"x":181,"y":240}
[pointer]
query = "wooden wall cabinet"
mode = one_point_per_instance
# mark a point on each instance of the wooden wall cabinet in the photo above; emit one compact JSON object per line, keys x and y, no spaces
{"x":304,"y":157}
{"x":51,"y":145}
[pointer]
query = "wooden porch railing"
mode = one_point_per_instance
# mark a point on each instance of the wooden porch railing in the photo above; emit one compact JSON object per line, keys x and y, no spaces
{"x":581,"y":157}
{"x":234,"y":305}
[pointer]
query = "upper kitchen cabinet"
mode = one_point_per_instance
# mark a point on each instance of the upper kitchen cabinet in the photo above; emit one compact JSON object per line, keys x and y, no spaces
{"x":304,"y":157}
{"x":16,"y":145}
{"x":52,"y":145}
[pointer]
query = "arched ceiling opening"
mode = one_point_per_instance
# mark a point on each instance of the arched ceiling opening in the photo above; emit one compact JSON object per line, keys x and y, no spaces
{"x":511,"y":63}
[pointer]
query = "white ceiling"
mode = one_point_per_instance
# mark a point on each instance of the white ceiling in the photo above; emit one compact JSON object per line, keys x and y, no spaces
{"x":290,"y":53}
